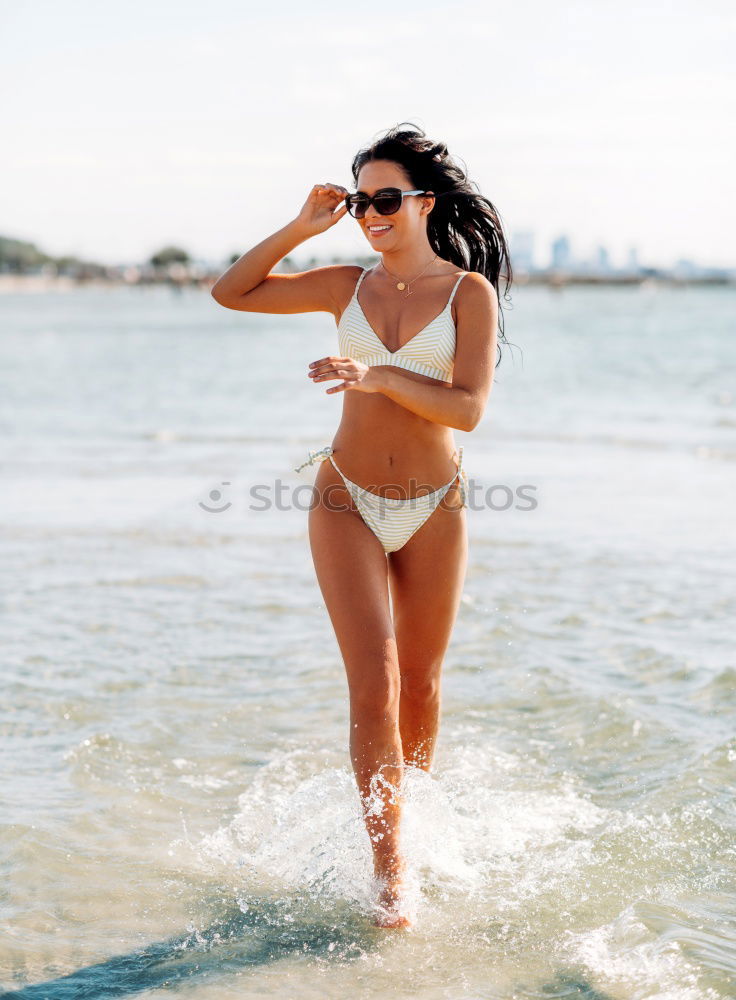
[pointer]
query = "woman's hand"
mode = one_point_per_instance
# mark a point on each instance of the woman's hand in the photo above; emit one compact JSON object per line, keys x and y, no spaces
{"x":318,"y":212}
{"x":356,"y":375}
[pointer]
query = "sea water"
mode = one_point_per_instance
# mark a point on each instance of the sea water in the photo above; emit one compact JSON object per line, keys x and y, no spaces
{"x":179,"y":812}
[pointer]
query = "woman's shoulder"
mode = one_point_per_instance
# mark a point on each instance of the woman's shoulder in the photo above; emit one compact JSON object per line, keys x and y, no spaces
{"x":345,"y":274}
{"x":476,"y":284}
{"x":476,"y":298}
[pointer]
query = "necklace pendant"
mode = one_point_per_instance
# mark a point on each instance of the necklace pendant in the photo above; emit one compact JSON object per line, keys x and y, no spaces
{"x":401,"y":286}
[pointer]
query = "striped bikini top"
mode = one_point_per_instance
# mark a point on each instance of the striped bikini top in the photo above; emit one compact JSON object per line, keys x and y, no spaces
{"x":429,"y":352}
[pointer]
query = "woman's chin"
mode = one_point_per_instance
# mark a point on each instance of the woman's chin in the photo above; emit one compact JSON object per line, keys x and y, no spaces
{"x":378,"y":241}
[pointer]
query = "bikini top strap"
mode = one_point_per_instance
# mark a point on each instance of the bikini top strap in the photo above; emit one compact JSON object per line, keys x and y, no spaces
{"x":363,"y":274}
{"x":452,"y":296}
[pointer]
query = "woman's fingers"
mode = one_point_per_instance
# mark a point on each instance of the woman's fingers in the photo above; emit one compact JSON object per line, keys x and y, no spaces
{"x":334,"y":190}
{"x":328,"y":202}
{"x":323,"y":207}
{"x":318,"y":367}
{"x":353,"y":372}
{"x":333,"y":373}
{"x":329,"y":372}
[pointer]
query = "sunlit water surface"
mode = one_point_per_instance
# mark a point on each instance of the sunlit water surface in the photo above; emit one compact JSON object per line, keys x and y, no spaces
{"x":179,"y":812}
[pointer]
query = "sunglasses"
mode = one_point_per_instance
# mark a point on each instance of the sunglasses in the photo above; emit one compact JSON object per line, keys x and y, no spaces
{"x":387,"y":201}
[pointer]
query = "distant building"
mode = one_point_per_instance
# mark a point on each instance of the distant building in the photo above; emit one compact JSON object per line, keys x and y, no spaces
{"x":522,"y":250}
{"x":632,"y":260}
{"x":602,"y":260}
{"x":561,"y":253}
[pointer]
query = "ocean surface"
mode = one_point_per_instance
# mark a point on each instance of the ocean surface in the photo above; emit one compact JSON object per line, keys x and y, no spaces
{"x":179,"y":813}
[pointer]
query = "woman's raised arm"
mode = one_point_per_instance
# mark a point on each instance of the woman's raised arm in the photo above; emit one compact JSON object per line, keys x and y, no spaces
{"x":248,"y":283}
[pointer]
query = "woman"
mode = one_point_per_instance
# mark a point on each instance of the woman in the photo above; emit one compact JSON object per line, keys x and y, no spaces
{"x":417,"y":339}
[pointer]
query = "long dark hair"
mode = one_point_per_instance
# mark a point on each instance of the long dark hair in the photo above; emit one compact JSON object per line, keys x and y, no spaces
{"x":463,"y":226}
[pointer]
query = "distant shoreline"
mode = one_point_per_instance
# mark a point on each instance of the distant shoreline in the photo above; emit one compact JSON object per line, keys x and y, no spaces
{"x":32,"y":283}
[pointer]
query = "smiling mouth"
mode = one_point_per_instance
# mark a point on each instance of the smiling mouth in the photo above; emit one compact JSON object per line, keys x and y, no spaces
{"x":380,"y":230}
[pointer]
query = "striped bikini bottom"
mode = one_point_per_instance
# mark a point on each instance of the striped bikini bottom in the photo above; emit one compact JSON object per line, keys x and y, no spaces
{"x":391,"y":520}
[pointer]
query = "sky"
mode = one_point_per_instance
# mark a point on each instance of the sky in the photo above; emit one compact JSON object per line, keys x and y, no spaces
{"x":126,"y":127}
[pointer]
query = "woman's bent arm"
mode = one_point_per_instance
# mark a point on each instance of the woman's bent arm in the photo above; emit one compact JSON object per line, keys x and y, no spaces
{"x":448,"y":405}
{"x":256,"y":264}
{"x":248,"y":283}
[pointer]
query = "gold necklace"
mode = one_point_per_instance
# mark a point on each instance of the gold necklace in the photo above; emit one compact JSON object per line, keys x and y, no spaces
{"x":401,"y":285}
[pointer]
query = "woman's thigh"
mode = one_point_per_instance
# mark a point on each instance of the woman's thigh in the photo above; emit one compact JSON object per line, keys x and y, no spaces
{"x":352,"y":573}
{"x":426,"y":578}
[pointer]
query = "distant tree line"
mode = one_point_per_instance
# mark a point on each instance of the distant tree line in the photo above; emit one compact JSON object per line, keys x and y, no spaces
{"x":19,"y":257}
{"x":22,"y":257}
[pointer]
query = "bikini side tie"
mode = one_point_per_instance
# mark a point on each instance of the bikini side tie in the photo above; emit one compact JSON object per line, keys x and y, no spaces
{"x":322,"y":454}
{"x":463,"y":479}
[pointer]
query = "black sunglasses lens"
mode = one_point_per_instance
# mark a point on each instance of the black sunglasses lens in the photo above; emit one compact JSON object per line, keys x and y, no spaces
{"x":388,"y":202}
{"x":357,"y":206}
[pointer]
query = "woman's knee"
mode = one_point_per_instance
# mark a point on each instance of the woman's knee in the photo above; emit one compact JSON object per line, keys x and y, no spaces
{"x":375,"y":696}
{"x":423,"y":686}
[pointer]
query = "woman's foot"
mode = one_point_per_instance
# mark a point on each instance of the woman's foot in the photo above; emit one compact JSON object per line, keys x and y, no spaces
{"x":391,"y":903}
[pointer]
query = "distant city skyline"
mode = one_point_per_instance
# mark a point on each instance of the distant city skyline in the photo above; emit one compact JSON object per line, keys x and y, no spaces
{"x":562,"y":255}
{"x":133,"y":126}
